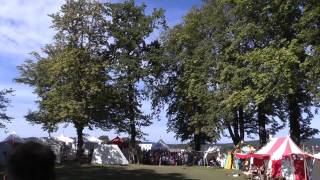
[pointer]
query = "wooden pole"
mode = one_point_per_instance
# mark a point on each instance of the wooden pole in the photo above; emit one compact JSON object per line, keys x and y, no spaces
{"x":305,"y":167}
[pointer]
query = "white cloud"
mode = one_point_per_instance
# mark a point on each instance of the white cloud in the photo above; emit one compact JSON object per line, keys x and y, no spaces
{"x":25,"y":25}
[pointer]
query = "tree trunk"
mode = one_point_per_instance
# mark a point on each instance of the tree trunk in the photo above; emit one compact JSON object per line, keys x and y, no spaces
{"x":132,"y":124}
{"x":79,"y":129}
{"x":235,"y":125}
{"x":197,"y":142}
{"x":233,"y":129}
{"x":262,"y":125}
{"x":294,"y":118}
{"x":241,"y":123}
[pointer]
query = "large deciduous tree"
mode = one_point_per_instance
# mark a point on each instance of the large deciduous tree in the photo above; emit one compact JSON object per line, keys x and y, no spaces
{"x":129,"y":27}
{"x":71,"y":77}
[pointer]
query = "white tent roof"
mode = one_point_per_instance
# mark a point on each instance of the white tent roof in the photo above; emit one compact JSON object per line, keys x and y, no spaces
{"x":211,"y":150}
{"x":108,"y":154}
{"x":64,"y":139}
{"x":160,"y":146}
{"x":94,"y":139}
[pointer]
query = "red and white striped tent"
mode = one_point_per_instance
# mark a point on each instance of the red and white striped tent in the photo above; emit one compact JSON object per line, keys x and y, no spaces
{"x":279,"y":150}
{"x":276,"y":149}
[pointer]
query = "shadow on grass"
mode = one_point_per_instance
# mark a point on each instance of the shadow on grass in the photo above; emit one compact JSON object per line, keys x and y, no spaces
{"x":113,"y":173}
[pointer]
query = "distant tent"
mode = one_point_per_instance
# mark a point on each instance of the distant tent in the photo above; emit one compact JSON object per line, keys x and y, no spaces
{"x":145,"y":146}
{"x":69,"y":151}
{"x":91,"y":143}
{"x":213,"y":151}
{"x":120,"y":142}
{"x":65,"y":139}
{"x":108,"y":154}
{"x":13,"y":139}
{"x":94,"y":139}
{"x":160,"y":146}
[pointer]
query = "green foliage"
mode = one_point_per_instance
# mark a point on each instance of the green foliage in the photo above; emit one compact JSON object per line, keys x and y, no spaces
{"x":130,"y":26}
{"x":4,"y":102}
{"x":240,"y":65}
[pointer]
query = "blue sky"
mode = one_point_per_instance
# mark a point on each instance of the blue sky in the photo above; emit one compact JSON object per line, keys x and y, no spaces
{"x":25,"y":27}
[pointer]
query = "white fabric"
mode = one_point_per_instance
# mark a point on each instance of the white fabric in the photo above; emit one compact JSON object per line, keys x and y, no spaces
{"x":65,"y":139}
{"x":108,"y":154}
{"x":278,"y":152}
{"x":160,"y":146}
{"x":145,"y":147}
{"x":213,"y":151}
{"x":94,"y":139}
{"x":317,"y":156}
{"x":265,"y":149}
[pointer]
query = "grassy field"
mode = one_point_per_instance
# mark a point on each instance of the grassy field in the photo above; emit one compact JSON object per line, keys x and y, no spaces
{"x":142,"y":172}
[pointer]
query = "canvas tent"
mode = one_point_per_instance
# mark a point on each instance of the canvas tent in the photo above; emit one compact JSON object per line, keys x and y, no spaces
{"x":69,"y":151}
{"x":91,"y":143}
{"x":145,"y":146}
{"x":160,"y":146}
{"x":120,"y":142}
{"x":211,"y":152}
{"x":108,"y":154}
{"x":284,"y":158}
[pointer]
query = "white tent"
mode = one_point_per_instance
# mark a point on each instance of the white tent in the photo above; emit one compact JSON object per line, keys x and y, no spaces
{"x":213,"y":151}
{"x":94,"y":139}
{"x":160,"y":146}
{"x":69,"y":152}
{"x":145,"y":146}
{"x":65,"y":139}
{"x":91,"y":143}
{"x":108,"y":154}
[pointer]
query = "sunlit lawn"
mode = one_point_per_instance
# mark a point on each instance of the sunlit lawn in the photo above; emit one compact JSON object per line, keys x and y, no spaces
{"x":142,"y":172}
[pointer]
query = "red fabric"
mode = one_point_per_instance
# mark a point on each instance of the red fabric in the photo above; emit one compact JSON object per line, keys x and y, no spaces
{"x":246,"y":156}
{"x":276,"y":145}
{"x":299,"y":170}
{"x":119,"y":141}
{"x":243,"y":156}
{"x":258,"y":162}
{"x":276,"y":168}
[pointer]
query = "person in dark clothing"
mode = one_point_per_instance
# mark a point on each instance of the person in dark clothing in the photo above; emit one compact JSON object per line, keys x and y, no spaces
{"x":31,"y":161}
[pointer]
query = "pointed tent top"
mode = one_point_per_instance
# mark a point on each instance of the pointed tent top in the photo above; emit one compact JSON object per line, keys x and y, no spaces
{"x":13,"y":138}
{"x":278,"y":148}
{"x":160,"y":146}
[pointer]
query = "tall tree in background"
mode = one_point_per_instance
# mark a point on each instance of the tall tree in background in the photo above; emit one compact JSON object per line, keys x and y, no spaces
{"x":181,"y":82}
{"x":71,"y":79}
{"x":129,"y":27}
{"x":233,"y":38}
{"x":4,"y":102}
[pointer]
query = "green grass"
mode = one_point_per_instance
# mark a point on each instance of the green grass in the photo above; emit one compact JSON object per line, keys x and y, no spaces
{"x":142,"y":172}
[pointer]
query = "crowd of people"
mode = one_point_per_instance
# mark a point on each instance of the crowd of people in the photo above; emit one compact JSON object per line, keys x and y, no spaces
{"x":172,"y":158}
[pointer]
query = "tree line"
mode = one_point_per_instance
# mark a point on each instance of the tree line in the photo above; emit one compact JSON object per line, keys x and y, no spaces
{"x":235,"y":68}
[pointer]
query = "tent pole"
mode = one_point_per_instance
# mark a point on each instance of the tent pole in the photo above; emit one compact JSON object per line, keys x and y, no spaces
{"x":305,"y":167}
{"x":294,"y":169}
